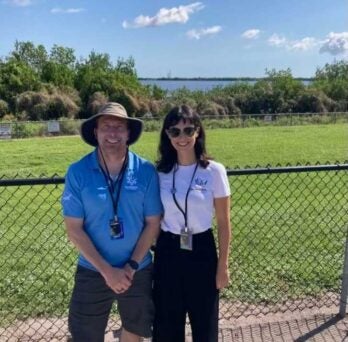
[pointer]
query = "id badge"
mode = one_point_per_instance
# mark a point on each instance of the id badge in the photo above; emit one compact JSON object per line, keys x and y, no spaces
{"x":186,"y":239}
{"x":116,"y":229}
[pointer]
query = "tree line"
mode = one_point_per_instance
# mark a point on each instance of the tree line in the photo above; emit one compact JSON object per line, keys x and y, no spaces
{"x":36,"y":84}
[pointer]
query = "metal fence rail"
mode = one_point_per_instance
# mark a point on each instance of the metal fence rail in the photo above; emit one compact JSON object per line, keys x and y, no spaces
{"x":289,"y":236}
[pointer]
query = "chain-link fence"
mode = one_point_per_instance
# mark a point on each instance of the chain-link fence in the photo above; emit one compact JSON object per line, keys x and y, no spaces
{"x":289,"y":236}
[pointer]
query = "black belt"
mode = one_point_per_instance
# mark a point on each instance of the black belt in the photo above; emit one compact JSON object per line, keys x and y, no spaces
{"x":177,"y":236}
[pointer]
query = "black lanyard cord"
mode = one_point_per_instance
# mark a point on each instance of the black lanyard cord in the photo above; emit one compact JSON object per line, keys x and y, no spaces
{"x":187,"y":193}
{"x":118,"y":182}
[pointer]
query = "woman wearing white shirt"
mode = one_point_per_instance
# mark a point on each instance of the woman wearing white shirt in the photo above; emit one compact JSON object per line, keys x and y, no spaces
{"x":188,"y":270}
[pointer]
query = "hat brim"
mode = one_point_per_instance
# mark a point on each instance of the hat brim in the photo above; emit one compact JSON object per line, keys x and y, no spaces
{"x":135,"y":127}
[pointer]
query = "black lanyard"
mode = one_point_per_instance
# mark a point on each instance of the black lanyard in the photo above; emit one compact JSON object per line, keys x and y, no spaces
{"x":187,"y":193}
{"x":112,"y":185}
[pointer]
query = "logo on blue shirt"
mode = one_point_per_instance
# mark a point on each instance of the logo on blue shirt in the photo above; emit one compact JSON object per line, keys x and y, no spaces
{"x":131,"y":181}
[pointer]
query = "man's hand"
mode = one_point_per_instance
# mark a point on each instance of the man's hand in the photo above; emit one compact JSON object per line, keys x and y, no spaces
{"x":129,"y":272}
{"x":117,"y":279}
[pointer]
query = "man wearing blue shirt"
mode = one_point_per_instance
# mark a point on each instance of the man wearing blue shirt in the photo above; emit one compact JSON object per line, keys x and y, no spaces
{"x":112,"y":208}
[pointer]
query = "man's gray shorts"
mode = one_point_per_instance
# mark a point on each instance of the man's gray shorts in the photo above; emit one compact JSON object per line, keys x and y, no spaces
{"x":92,"y":300}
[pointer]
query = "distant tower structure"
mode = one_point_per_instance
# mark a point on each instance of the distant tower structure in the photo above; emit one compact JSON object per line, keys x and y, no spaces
{"x":169,"y":74}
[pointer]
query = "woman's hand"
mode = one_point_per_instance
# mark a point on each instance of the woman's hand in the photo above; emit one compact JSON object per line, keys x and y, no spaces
{"x":222,"y":277}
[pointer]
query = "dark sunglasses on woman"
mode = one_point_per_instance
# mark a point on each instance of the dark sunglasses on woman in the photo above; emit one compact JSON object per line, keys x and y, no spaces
{"x":174,"y":132}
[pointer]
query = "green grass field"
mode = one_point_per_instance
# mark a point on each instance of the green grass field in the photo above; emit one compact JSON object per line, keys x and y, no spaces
{"x":233,"y":147}
{"x":289,"y":229}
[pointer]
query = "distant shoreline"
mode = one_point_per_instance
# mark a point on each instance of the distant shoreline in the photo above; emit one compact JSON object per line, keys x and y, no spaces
{"x":249,"y":79}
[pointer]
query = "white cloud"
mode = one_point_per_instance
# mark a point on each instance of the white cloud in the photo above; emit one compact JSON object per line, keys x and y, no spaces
{"x":165,"y":16}
{"x":276,"y":40}
{"x":335,"y":43}
{"x":198,"y":34}
{"x":303,"y":44}
{"x":19,"y":3}
{"x":251,"y":34}
{"x":68,"y":10}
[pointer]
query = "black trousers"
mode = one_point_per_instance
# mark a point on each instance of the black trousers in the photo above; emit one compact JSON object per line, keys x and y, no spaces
{"x":184,"y":283}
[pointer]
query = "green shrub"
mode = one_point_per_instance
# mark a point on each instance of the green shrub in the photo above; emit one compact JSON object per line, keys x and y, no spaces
{"x":38,"y":112}
{"x":60,"y":105}
{"x":284,"y":120}
{"x":26,"y":130}
{"x":8,"y":118}
{"x":95,"y":101}
{"x":251,"y":122}
{"x":319,"y":119}
{"x":236,"y":122}
{"x":31,"y":105}
{"x":4,"y":109}
{"x":42,"y":105}
{"x":69,"y":127}
{"x":152,"y":125}
{"x":214,"y":123}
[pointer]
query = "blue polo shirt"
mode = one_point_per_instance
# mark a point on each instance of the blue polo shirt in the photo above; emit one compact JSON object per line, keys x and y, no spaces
{"x":86,"y":196}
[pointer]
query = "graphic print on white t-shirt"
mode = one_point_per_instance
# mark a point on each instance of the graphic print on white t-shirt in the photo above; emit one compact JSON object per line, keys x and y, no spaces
{"x":208,"y":183}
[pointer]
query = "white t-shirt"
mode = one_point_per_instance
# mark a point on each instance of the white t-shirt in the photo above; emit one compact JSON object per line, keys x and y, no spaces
{"x":207,"y":184}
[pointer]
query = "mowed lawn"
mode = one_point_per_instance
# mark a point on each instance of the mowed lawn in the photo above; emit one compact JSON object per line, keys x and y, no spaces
{"x":233,"y":147}
{"x":289,"y":229}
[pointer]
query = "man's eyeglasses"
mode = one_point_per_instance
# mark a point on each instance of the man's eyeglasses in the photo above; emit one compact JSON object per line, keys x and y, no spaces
{"x":174,"y":132}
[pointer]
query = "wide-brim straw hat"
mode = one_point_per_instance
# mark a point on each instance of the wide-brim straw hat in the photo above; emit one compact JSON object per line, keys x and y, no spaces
{"x":114,"y":109}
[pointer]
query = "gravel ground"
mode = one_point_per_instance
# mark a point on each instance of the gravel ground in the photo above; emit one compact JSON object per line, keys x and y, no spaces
{"x":305,"y":325}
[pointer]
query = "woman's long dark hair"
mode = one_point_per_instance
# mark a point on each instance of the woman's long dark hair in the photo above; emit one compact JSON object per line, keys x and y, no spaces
{"x":167,"y":153}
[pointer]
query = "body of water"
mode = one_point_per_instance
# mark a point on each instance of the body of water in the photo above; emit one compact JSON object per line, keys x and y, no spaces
{"x":203,"y":85}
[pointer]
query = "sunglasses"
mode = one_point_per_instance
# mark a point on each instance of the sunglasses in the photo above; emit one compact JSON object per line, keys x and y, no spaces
{"x":174,"y":132}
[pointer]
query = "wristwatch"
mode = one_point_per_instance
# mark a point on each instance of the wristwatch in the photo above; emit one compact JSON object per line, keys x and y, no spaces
{"x":133,"y":264}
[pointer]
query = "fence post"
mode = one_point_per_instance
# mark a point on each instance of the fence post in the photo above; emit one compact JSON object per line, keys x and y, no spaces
{"x":344,"y":288}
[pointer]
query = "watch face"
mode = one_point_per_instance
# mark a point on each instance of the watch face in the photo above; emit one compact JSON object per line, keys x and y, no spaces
{"x":133,"y":264}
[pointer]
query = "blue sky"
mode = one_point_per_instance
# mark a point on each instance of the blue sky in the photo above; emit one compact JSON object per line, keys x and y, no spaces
{"x":208,"y":38}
